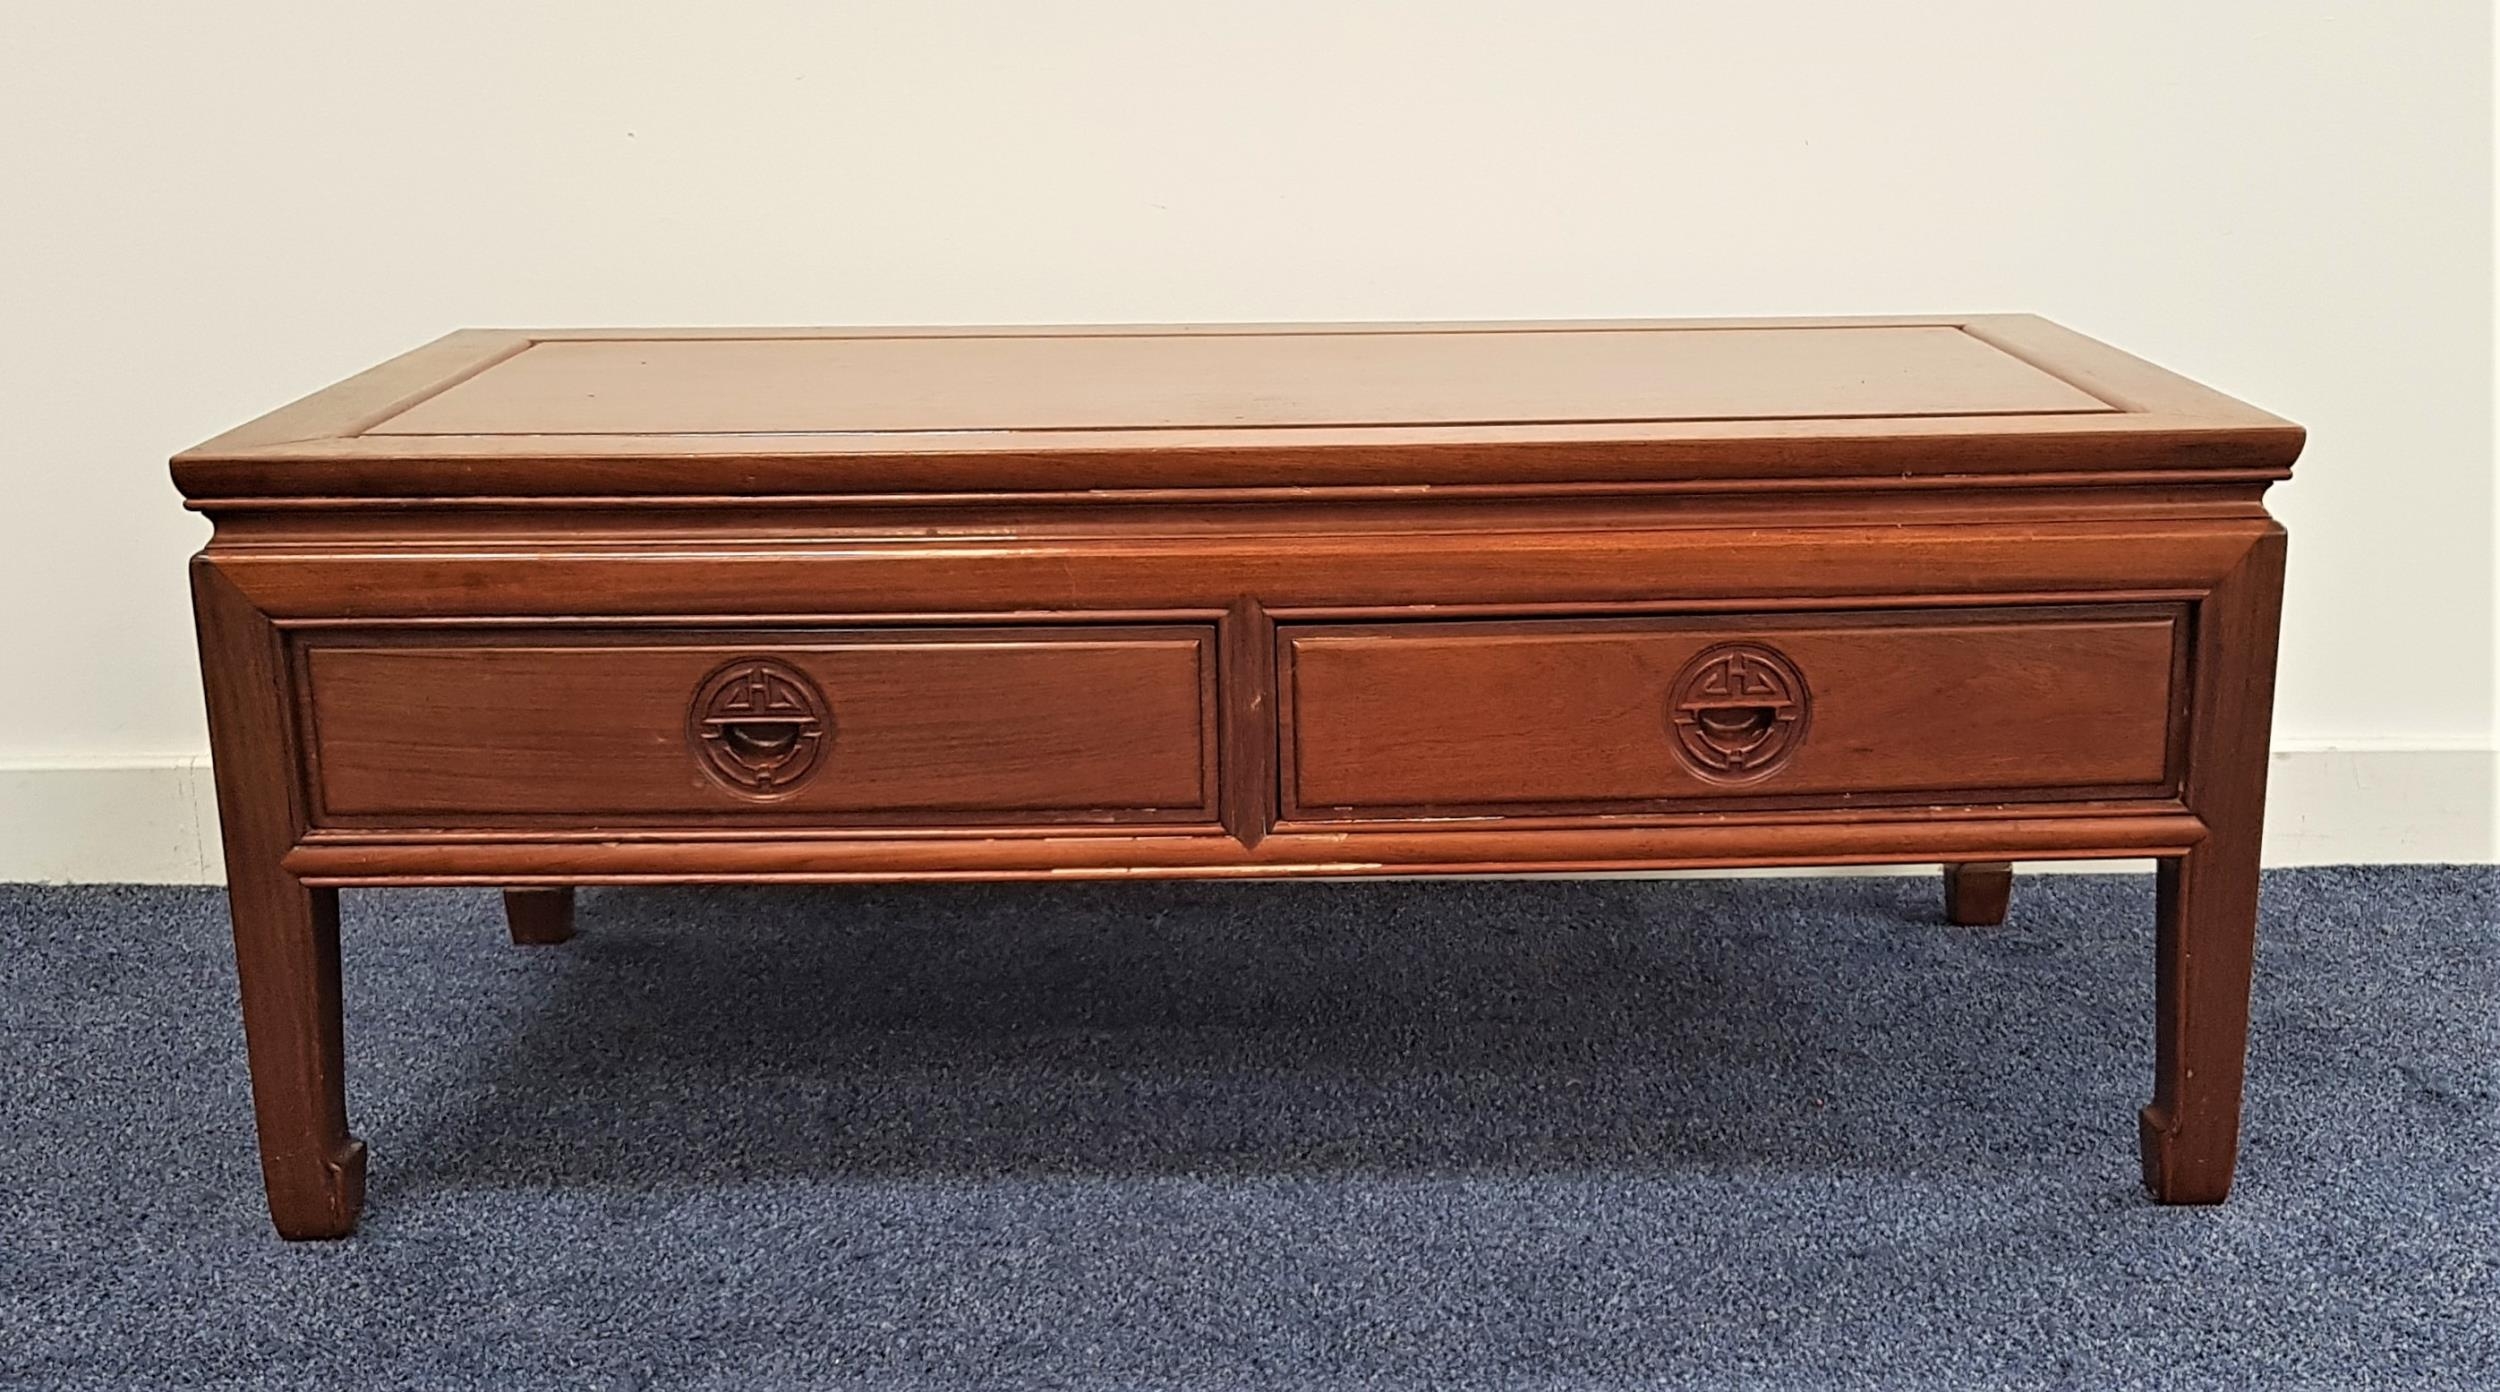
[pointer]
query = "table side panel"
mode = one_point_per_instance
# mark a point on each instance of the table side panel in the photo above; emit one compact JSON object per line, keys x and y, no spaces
{"x":405,"y":793}
{"x":1859,"y":837}
{"x":448,"y":574}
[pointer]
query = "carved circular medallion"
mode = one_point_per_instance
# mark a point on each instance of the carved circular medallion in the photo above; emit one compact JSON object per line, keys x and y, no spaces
{"x":1738,"y":711}
{"x":759,"y":727}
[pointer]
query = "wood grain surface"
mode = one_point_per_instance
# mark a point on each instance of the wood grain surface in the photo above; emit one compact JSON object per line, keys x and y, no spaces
{"x":1241,"y":379}
{"x":1529,"y":717}
{"x":973,"y":725}
{"x":547,"y":608}
{"x":936,"y":412}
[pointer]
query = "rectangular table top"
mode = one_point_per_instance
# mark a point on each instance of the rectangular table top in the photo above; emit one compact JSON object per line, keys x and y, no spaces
{"x":773,"y":412}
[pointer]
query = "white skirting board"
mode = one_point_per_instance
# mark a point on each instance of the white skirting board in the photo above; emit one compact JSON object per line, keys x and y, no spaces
{"x":155,"y":821}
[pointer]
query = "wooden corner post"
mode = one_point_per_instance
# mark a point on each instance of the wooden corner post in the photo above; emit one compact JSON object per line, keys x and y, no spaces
{"x":2206,"y":929}
{"x":286,"y":934}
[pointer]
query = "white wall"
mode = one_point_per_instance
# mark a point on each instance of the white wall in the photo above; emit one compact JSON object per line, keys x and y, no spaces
{"x":207,"y":210}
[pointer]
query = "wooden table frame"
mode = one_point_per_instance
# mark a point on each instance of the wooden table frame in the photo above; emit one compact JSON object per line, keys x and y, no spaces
{"x":2162,"y":509}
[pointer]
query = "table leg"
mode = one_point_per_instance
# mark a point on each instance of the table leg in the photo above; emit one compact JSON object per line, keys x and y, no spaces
{"x":1976,"y":895}
{"x":539,"y":917}
{"x":2207,"y":934}
{"x":286,"y":945}
{"x":2206,"y":927}
{"x":286,"y":934}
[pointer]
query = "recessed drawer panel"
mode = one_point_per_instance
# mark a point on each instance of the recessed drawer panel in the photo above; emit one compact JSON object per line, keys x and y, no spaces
{"x":1568,"y":717}
{"x":870,"y":727}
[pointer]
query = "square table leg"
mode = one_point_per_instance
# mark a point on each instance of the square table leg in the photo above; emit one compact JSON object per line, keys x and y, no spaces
{"x":2206,"y":916}
{"x":1977,"y":895}
{"x":539,"y":917}
{"x":286,"y":933}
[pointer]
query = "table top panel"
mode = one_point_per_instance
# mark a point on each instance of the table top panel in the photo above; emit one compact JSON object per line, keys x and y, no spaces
{"x":695,"y":413}
{"x":1147,"y":381}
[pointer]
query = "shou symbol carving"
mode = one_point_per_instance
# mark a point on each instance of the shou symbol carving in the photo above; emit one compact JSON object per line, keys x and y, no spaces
{"x":1738,"y":711}
{"x":759,"y":727}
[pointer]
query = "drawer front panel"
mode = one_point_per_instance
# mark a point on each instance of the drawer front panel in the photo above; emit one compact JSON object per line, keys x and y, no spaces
{"x":1589,"y":717}
{"x":921,"y":727}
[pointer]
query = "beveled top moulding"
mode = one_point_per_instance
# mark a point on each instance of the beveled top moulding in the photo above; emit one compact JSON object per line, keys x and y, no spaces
{"x":846,"y":412}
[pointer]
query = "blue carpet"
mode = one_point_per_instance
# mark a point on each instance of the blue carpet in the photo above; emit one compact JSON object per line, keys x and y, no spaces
{"x":1754,"y":1133}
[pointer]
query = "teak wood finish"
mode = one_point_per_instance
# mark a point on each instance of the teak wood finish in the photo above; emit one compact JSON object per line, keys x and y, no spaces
{"x":539,"y":917}
{"x":1978,"y":896}
{"x":557,"y":608}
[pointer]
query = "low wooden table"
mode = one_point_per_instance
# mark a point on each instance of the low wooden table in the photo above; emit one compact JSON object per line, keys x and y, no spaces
{"x":548,"y":609}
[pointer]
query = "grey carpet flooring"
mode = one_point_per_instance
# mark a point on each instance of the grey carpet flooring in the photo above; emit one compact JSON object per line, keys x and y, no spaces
{"x":1736,"y":1133}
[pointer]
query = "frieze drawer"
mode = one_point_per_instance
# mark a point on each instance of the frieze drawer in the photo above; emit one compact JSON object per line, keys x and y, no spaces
{"x":874,"y":727}
{"x":1565,"y":717}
